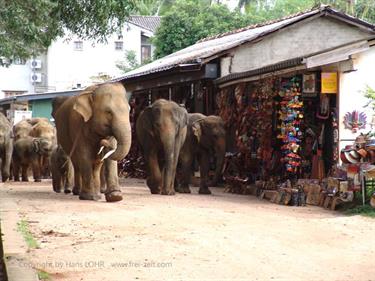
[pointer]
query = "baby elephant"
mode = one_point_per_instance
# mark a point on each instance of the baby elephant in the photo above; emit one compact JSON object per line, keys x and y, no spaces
{"x":62,"y":171}
{"x":26,"y":152}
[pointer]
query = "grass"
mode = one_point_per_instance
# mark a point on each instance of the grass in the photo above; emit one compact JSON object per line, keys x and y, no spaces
{"x":42,"y":275}
{"x":23,"y":228}
{"x":365,"y":210}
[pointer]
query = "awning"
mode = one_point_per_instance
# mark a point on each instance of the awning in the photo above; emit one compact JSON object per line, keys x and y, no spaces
{"x":336,"y":55}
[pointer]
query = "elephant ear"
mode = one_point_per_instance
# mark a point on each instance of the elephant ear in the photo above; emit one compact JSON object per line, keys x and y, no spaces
{"x":36,"y":145}
{"x":197,"y":130}
{"x":83,"y":105}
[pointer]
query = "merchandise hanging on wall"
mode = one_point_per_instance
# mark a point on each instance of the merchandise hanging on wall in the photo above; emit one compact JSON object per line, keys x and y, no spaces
{"x":291,"y":117}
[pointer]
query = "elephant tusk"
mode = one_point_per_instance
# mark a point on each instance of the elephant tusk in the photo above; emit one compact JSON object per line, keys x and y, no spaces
{"x":107,"y":154}
{"x":101,"y":149}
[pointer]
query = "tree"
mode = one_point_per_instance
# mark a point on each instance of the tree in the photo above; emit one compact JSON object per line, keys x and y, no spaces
{"x":263,"y":10}
{"x":191,"y":20}
{"x":28,"y":27}
{"x":129,"y":63}
{"x":152,"y":7}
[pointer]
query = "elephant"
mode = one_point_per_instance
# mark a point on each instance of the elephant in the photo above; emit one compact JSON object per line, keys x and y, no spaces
{"x":62,"y":170}
{"x":205,"y":137}
{"x":6,"y":147}
{"x":161,"y":132}
{"x":99,"y":112}
{"x":42,"y":128}
{"x":26,"y":152}
{"x":22,"y":129}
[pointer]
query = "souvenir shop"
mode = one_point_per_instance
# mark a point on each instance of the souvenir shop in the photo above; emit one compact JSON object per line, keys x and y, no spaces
{"x":282,"y":127}
{"x":283,"y":131}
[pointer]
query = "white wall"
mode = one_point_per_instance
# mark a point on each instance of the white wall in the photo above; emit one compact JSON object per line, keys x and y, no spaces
{"x":63,"y":67}
{"x":68,"y":67}
{"x":351,"y":95}
{"x":301,"y":39}
{"x":15,"y":78}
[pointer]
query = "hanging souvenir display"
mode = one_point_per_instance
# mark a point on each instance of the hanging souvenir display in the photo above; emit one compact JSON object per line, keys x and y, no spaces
{"x":290,"y":117}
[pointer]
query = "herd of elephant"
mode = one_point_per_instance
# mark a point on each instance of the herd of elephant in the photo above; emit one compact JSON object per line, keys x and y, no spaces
{"x":92,"y":132}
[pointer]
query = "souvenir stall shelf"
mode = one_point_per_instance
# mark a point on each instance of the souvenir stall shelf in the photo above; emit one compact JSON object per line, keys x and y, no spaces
{"x":290,"y":117}
{"x":248,"y":108}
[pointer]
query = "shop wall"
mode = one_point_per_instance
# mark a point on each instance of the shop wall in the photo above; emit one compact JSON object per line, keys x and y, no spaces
{"x":41,"y":108}
{"x":298,"y":40}
{"x":351,"y":97}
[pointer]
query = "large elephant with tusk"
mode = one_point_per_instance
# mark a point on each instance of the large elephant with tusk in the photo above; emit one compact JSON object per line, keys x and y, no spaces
{"x":83,"y":122}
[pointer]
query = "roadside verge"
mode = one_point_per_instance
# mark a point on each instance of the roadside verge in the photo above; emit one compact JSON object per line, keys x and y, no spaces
{"x":15,"y":249}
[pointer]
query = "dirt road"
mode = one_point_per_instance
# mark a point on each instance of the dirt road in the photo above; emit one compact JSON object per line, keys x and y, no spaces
{"x":189,"y":237}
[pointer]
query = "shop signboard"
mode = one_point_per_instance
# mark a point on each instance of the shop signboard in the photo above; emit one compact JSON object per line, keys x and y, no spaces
{"x":329,"y":83}
{"x":20,"y":115}
{"x":309,"y":85}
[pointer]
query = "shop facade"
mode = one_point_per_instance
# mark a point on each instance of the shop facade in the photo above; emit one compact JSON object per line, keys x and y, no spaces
{"x":290,"y":91}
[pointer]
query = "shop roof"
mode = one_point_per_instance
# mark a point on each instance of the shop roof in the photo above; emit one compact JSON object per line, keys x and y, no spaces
{"x":206,"y":49}
{"x":48,"y":95}
{"x":147,"y":22}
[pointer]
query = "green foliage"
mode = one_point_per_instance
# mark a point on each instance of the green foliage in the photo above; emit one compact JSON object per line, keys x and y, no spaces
{"x":129,"y":63}
{"x":370,"y":95}
{"x":152,"y":7}
{"x":42,"y":275}
{"x":191,"y":20}
{"x":365,"y":210}
{"x":28,"y":27}
{"x":23,"y":228}
{"x":274,"y":9}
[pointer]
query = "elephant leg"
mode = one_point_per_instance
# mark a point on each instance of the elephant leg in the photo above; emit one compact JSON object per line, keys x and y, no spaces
{"x":179,"y":141}
{"x":103,"y":183}
{"x":96,"y":176}
{"x":36,"y":169}
{"x":169,"y":168}
{"x":186,"y":164}
{"x":4,"y":169}
{"x":57,"y":181}
{"x":154,"y":179}
{"x":69,"y":178}
{"x":90,"y":176}
{"x":113,"y":192}
{"x":24,"y":171}
{"x":77,"y":181}
{"x":16,"y":170}
{"x":204,"y":163}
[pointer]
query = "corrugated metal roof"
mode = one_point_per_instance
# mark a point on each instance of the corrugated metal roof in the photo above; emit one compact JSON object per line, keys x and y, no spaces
{"x":147,"y":22}
{"x":212,"y":46}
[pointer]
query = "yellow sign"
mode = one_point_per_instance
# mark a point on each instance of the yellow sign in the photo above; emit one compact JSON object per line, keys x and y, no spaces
{"x":329,"y":82}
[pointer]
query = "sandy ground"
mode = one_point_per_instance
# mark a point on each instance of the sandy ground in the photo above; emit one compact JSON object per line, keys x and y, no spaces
{"x":190,"y":237}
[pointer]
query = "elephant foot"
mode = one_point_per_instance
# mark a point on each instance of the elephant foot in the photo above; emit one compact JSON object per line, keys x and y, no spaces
{"x":113,"y":196}
{"x":167,"y":192}
{"x":183,"y":189}
{"x":57,"y":190}
{"x":4,"y":179}
{"x":67,"y":190}
{"x":75,"y":191}
{"x":25,"y":179}
{"x":88,"y":196}
{"x":155,"y":190}
{"x":204,"y":190}
{"x":37,"y":180}
{"x":16,"y":179}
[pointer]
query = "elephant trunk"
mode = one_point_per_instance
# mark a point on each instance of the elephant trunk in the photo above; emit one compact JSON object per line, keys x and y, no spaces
{"x":220,"y":148}
{"x":122,"y":133}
